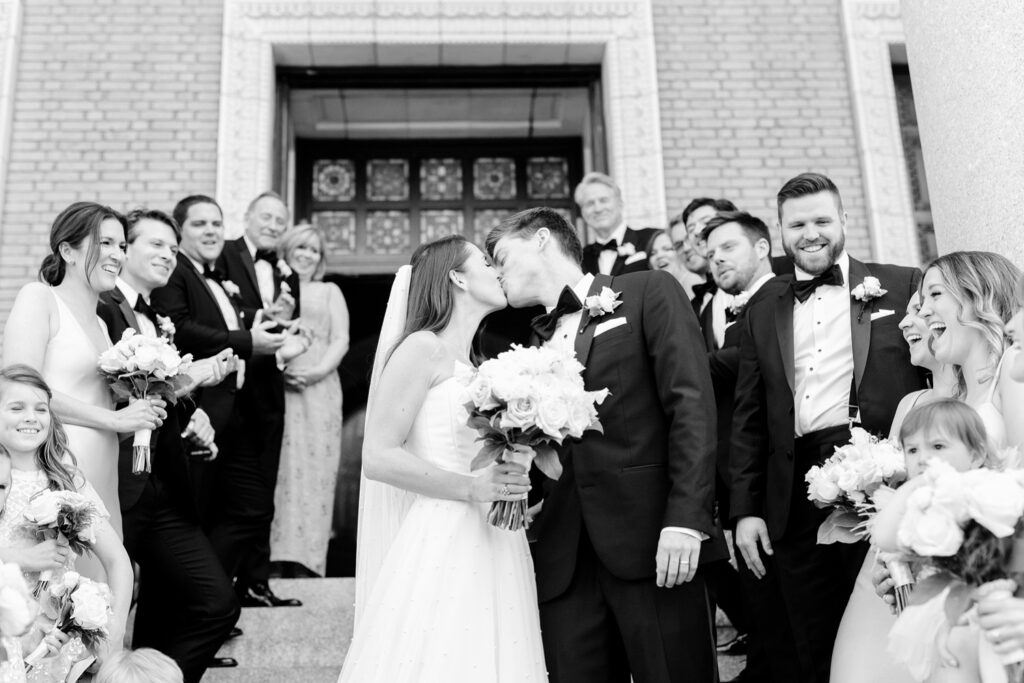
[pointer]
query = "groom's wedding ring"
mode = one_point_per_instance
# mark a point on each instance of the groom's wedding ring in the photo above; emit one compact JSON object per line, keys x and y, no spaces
{"x":504,"y":490}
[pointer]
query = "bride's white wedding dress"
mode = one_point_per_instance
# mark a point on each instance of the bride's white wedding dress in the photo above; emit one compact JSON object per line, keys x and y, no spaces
{"x":455,"y":599}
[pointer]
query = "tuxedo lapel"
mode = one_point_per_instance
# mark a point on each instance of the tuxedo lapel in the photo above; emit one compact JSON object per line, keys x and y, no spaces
{"x":784,"y":330}
{"x":127,"y":311}
{"x":860,"y":324}
{"x":585,"y":334}
{"x":193,"y":273}
{"x":243,"y":255}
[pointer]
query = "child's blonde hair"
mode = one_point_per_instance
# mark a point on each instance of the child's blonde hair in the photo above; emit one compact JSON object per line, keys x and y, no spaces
{"x":957,"y":420}
{"x":144,"y":665}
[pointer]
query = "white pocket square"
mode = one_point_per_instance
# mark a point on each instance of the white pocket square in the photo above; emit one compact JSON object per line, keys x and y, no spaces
{"x":881,"y":313}
{"x":608,"y":325}
{"x":638,"y":256}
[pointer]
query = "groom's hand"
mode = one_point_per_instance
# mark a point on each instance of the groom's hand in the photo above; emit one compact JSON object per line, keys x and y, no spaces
{"x":750,"y":531}
{"x":677,"y":558}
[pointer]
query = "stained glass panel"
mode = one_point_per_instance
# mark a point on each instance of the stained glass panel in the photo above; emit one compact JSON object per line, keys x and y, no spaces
{"x":387,"y":232}
{"x":438,"y":223}
{"x":485,"y":220}
{"x":494,"y":178}
{"x":547,"y":178}
{"x":441,"y":179}
{"x":339,"y":230}
{"x":387,"y":180}
{"x":334,"y":180}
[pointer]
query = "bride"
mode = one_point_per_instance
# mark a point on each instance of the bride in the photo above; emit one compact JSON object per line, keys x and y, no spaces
{"x":440,"y":594}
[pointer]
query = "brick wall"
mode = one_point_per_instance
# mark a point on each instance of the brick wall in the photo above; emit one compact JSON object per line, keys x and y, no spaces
{"x":753,"y":92}
{"x":115,"y":101}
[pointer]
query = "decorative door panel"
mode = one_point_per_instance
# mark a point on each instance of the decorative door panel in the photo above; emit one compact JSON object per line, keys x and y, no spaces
{"x":377,"y":201}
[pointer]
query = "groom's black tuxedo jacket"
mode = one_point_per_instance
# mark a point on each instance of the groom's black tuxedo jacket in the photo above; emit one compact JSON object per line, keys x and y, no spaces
{"x":763,"y":434}
{"x":654,"y":465}
{"x":168,"y":452}
{"x":638,"y":238}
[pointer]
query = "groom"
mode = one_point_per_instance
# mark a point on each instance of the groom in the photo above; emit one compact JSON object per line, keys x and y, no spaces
{"x":619,"y":534}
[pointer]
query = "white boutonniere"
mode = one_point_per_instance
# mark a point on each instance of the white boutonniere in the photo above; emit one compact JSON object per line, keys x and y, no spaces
{"x":739,"y":302}
{"x":600,"y":304}
{"x":866,"y":292}
{"x":167,"y":328}
{"x":626,"y":250}
{"x":284,"y":268}
{"x":285,"y":287}
{"x":230,"y":288}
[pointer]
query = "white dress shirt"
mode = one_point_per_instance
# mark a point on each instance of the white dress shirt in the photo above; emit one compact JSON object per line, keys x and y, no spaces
{"x":823,"y":347}
{"x":606,"y":257}
{"x":565,"y":336}
{"x":147,"y":327}
{"x":226,"y":309}
{"x":264,"y":274}
{"x":748,"y":292}
{"x":719,"y":303}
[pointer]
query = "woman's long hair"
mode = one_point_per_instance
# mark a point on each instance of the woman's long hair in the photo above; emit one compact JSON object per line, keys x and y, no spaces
{"x":431,"y":299}
{"x":53,"y":457}
{"x":984,"y":286}
{"x":73,"y":225}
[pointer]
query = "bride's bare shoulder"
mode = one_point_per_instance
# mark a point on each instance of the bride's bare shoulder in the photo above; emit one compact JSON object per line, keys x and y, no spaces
{"x":422,"y":352}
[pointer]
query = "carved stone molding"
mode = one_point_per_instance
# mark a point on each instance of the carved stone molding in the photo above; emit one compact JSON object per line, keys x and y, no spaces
{"x":629,"y":79}
{"x":10,"y":25}
{"x":871,"y":28}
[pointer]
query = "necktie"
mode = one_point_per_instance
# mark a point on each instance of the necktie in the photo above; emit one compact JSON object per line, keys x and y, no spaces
{"x":144,"y":308}
{"x":544,"y":325}
{"x":708,"y":287}
{"x":211,"y":273}
{"x":268,"y":255}
{"x":802,"y":289}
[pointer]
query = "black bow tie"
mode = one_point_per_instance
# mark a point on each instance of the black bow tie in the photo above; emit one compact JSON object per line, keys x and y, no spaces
{"x":212,"y":273}
{"x":144,"y":308}
{"x":802,"y":289}
{"x":707,"y":287}
{"x":610,"y":245}
{"x":268,"y":255}
{"x":544,"y":324}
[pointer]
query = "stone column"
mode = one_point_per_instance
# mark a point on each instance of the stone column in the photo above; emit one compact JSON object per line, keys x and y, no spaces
{"x":967,"y":67}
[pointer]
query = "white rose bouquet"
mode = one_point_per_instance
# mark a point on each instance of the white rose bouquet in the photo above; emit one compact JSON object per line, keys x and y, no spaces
{"x":78,"y":607}
{"x":61,"y":514}
{"x":527,"y":397}
{"x":18,"y":608}
{"x":849,"y":481}
{"x":960,"y":526}
{"x":138,"y":366}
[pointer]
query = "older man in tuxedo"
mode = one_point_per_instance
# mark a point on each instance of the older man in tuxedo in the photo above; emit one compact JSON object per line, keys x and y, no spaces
{"x":269,"y":290}
{"x":186,"y":607}
{"x":616,"y":248}
{"x":620,"y":533}
{"x":817,"y":355}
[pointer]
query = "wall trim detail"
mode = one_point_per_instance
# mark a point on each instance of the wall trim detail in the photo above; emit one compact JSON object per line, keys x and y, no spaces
{"x":10,"y":32}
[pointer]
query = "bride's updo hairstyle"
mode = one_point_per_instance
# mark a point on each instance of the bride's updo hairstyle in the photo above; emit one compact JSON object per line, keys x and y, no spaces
{"x":431,"y":298}
{"x":984,"y":286}
{"x":73,"y":225}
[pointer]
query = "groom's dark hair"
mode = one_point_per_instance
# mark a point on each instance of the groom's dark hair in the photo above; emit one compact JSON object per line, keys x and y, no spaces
{"x":525,"y":223}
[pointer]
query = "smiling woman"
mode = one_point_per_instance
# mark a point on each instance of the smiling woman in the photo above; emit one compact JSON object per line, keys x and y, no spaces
{"x":53,"y":328}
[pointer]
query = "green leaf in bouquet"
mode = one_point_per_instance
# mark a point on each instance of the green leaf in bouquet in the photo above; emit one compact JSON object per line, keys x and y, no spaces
{"x":479,"y":422}
{"x":839,"y":527}
{"x":490,"y":452}
{"x":959,"y":600}
{"x":548,"y":462}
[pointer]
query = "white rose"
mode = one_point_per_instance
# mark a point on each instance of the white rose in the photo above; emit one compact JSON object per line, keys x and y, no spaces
{"x":552,"y":417}
{"x":146,"y":358}
{"x":931,"y":532}
{"x":43,"y":509}
{"x":520,"y":413}
{"x":480,"y":393}
{"x":820,"y":486}
{"x":67,"y":583}
{"x":948,"y":492}
{"x":89,"y":606}
{"x":994,"y":500}
{"x":17,"y":610}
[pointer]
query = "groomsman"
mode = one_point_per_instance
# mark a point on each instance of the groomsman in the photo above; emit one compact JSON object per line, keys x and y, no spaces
{"x":617,"y":248}
{"x":186,"y":607}
{"x":815,"y":358}
{"x":738,"y":252}
{"x":267,"y":290}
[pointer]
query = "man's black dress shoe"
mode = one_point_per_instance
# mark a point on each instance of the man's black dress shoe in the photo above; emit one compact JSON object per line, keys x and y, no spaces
{"x":234,"y":632}
{"x":222,"y":663}
{"x":260,"y":595}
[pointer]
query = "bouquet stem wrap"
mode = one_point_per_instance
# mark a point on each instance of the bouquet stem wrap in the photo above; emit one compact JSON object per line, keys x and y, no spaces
{"x":141,"y":451}
{"x":510,"y":515}
{"x":903,"y":582}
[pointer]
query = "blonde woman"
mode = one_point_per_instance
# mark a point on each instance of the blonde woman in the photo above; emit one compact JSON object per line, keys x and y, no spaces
{"x":311,"y":446}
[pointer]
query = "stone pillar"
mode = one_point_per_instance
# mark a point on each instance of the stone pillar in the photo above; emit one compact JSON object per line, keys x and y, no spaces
{"x":967,"y":67}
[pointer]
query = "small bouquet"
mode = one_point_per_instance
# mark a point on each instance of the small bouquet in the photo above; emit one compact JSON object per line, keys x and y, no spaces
{"x":137,"y":367}
{"x":61,"y":514}
{"x":526,"y":397}
{"x":78,"y":607}
{"x":18,"y":608}
{"x":961,"y":526}
{"x":849,"y":481}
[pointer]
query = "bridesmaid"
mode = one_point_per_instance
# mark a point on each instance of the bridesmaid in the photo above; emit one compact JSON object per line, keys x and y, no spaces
{"x":311,"y":447}
{"x":54,"y":329}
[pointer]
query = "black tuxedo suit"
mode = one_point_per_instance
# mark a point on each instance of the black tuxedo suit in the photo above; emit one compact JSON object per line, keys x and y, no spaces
{"x":768,"y":463}
{"x":638,"y":238}
{"x":162,"y":534}
{"x":598,"y":531}
{"x":261,"y":410}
